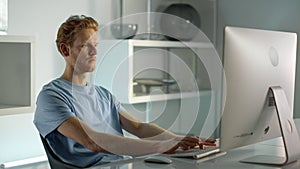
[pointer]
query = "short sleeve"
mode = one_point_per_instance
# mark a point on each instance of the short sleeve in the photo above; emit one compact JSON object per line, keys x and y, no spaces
{"x":117,"y":104}
{"x":111,"y":98}
{"x":51,"y":111}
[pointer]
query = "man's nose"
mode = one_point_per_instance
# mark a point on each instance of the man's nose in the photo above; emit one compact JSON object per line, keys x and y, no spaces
{"x":93,"y":51}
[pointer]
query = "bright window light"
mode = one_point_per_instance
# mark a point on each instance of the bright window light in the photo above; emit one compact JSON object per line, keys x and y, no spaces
{"x":3,"y":16}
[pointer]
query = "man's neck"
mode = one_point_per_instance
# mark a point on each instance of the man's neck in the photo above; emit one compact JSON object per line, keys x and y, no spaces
{"x":78,"y":79}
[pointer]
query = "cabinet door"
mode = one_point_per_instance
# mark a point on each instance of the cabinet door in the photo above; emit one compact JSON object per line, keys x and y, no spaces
{"x":17,"y":74}
{"x":182,"y":63}
{"x":149,"y":63}
{"x":113,"y":68}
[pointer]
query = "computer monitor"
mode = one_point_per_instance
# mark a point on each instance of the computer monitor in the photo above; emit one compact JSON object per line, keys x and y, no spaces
{"x":258,"y":97}
{"x":17,"y":74}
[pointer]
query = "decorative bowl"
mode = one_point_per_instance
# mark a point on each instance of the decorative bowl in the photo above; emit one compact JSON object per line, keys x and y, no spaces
{"x":182,"y":23}
{"x":123,"y":31}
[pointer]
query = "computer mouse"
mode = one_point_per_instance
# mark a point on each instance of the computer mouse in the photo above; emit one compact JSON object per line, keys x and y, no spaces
{"x":158,"y":159}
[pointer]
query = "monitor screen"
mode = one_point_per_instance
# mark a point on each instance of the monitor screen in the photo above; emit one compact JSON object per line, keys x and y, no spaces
{"x":16,"y":74}
{"x":255,"y":60}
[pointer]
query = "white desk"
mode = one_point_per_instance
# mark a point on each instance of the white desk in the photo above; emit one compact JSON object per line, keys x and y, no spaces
{"x":228,"y":161}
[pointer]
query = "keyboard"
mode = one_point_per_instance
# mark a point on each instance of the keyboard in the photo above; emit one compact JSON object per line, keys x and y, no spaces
{"x":196,"y":153}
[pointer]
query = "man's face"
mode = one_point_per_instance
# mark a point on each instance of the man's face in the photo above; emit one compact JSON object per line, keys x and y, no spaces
{"x":83,"y":51}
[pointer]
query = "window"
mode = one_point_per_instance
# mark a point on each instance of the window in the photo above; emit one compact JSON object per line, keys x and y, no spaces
{"x":3,"y":16}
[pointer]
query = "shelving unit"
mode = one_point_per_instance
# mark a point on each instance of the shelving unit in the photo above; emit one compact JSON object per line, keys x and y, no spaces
{"x":121,"y":62}
{"x":16,"y":74}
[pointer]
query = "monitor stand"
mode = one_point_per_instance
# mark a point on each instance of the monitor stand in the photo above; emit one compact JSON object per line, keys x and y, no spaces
{"x":288,"y":131}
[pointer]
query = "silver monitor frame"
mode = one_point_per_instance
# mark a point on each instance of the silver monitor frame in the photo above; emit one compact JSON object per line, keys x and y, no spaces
{"x":260,"y":68}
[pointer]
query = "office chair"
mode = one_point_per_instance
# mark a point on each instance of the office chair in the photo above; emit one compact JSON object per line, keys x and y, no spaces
{"x":54,"y":161}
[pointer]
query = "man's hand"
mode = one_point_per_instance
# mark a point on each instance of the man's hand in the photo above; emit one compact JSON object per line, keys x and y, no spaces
{"x":190,"y":142}
{"x":207,"y":142}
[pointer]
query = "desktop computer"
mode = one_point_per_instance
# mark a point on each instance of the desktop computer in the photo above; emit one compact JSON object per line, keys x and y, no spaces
{"x":258,"y":97}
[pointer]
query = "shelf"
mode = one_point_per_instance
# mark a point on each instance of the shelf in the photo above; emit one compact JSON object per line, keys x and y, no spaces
{"x":6,"y":106}
{"x":167,"y":44}
{"x":8,"y":109}
{"x":17,"y":68}
{"x":122,"y":61}
{"x":168,"y":96}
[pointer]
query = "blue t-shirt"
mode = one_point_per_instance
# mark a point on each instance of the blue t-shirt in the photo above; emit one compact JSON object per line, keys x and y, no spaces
{"x":60,"y":100}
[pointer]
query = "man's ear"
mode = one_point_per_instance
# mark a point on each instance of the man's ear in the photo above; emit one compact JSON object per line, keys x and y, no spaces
{"x":64,"y":48}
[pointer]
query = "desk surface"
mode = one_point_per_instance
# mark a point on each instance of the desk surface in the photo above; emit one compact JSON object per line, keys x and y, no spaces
{"x":228,"y":161}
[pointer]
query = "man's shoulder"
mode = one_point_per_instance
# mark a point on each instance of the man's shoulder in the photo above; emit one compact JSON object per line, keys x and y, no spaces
{"x":102,"y":91}
{"x":53,"y":86}
{"x":48,"y":85}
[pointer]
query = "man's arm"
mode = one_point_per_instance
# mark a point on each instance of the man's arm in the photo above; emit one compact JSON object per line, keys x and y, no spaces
{"x":144,"y":130}
{"x":151,"y":131}
{"x":77,"y":130}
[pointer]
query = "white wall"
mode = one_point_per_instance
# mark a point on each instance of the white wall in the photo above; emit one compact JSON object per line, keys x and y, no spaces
{"x":40,"y":18}
{"x":267,"y":14}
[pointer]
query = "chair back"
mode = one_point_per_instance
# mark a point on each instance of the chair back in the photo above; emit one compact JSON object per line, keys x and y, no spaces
{"x":54,"y":161}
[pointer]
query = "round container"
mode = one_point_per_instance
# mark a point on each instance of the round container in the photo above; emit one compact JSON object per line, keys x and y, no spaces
{"x":123,"y":31}
{"x":182,"y":23}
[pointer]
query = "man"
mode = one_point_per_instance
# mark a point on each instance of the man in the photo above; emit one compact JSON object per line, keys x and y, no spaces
{"x":82,"y":122}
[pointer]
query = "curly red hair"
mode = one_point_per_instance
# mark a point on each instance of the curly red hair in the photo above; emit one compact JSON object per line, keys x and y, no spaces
{"x":68,"y":30}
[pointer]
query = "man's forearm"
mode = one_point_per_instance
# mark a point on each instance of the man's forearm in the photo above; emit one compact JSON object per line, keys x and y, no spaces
{"x":152,"y":131}
{"x":128,"y":146}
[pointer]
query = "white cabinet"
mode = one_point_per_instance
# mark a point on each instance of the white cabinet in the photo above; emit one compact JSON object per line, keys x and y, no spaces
{"x":185,"y":106}
{"x":138,"y":71}
{"x":16,"y":74}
